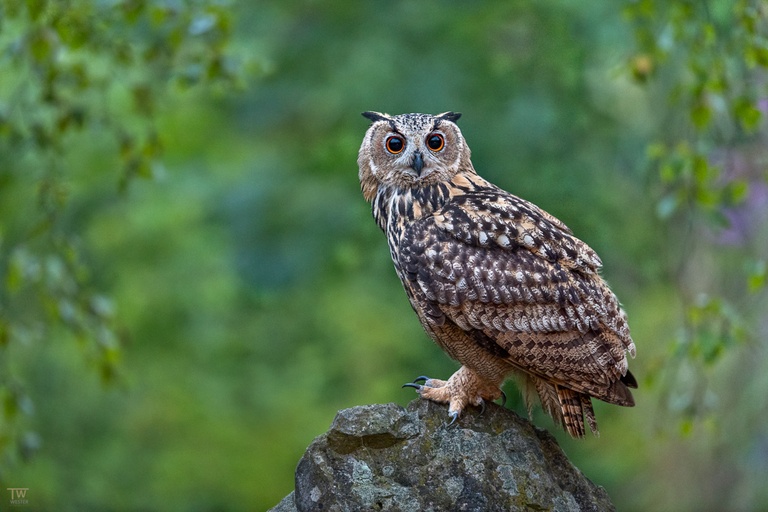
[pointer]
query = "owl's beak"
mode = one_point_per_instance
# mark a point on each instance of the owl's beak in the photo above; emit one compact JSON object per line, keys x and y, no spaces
{"x":418,"y":163}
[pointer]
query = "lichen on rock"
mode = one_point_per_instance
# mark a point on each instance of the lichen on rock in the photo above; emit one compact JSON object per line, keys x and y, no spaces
{"x":385,"y":457}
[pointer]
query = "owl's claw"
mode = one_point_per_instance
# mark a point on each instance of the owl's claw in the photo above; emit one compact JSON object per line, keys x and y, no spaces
{"x":428,"y":383}
{"x":503,"y":402}
{"x":454,"y":415}
{"x":415,"y":384}
{"x":464,"y":388}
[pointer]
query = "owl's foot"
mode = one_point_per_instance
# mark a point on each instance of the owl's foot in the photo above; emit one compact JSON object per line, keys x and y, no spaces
{"x":464,"y":388}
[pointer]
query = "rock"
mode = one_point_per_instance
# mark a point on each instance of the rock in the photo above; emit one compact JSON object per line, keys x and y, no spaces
{"x":287,"y":504}
{"x":384,"y":457}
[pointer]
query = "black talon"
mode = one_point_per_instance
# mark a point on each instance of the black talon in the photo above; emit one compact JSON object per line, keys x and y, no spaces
{"x":482,"y":406}
{"x":503,"y":398}
{"x":412,"y":385}
{"x":454,"y":416}
{"x":422,"y":378}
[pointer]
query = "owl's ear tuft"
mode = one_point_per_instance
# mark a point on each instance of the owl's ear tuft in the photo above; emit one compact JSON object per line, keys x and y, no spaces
{"x":449,"y":116}
{"x":376,"y":116}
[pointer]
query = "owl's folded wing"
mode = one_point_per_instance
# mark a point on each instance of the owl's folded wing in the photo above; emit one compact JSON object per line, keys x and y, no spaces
{"x":528,"y":285}
{"x":494,"y":218}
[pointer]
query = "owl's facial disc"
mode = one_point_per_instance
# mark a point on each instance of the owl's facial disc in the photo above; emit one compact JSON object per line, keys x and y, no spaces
{"x":417,"y":146}
{"x":426,"y":157}
{"x":407,"y":154}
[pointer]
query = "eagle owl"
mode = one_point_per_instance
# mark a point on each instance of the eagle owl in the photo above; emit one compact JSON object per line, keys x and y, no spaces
{"x":498,"y":283}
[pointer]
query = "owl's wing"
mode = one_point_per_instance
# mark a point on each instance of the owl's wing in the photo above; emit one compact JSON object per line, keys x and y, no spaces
{"x":508,"y":273}
{"x":494,"y":218}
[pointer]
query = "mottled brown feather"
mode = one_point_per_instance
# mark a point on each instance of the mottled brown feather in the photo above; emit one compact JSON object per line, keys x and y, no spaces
{"x":500,"y":284}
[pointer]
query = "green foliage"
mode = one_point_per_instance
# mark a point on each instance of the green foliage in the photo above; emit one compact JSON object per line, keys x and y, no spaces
{"x":704,"y":56}
{"x":708,"y":59}
{"x":75,"y":74}
{"x":705,"y":63}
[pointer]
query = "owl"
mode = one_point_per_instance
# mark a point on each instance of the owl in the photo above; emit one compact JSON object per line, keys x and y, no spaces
{"x":502,"y":286}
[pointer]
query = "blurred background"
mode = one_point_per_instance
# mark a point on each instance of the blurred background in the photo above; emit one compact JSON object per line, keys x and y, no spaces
{"x":192,"y":285}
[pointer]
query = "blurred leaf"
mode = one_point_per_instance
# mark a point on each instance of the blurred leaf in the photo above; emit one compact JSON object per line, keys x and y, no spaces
{"x":143,"y":99}
{"x":747,"y":113}
{"x":668,"y":172}
{"x":708,"y":199}
{"x":757,"y":276}
{"x":701,"y":114}
{"x":73,"y":29}
{"x":36,"y":8}
{"x":756,"y":55}
{"x":133,"y":9}
{"x":43,"y":44}
{"x":702,"y":171}
{"x":735,"y":192}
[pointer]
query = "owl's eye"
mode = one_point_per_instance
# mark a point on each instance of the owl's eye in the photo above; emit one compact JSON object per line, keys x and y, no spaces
{"x":395,"y":144}
{"x":435,"y":142}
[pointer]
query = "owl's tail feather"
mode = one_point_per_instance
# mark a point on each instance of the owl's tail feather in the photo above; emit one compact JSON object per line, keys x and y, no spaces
{"x":574,"y":407}
{"x":567,"y":407}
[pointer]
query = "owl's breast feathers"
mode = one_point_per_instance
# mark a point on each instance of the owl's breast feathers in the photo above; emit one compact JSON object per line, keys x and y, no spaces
{"x":500,"y":268}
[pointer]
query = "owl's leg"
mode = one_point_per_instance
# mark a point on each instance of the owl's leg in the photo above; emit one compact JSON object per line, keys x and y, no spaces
{"x":465,"y":387}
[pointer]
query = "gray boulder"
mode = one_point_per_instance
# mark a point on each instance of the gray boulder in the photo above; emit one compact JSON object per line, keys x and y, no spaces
{"x":384,"y":457}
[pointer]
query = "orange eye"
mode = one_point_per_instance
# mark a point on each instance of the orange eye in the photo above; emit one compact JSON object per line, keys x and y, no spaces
{"x":395,"y":144}
{"x":435,"y":142}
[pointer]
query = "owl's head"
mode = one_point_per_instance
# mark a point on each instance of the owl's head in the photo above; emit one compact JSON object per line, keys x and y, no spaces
{"x":411,"y":151}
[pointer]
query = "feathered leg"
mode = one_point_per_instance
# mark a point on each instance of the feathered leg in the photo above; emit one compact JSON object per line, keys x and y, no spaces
{"x":465,"y":387}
